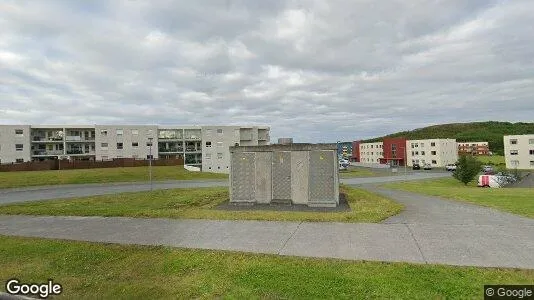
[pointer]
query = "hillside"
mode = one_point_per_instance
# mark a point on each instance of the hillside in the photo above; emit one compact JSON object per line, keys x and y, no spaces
{"x":490,"y":131}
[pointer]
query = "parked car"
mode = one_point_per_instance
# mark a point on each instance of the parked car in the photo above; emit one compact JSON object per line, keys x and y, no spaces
{"x":416,"y":167}
{"x":427,"y":167}
{"x":451,"y":167}
{"x":487,"y":169}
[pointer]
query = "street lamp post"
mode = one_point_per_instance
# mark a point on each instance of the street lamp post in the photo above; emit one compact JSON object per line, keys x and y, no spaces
{"x":150,"y":161}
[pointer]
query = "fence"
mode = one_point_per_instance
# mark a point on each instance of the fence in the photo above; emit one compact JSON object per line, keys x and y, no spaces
{"x":86,"y":164}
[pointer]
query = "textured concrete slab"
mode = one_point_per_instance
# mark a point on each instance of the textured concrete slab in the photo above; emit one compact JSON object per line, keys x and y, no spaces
{"x":354,"y":241}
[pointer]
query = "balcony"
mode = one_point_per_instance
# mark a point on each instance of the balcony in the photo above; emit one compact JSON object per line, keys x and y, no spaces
{"x":245,"y":136}
{"x":170,"y":150}
{"x":80,"y":152}
{"x":47,"y":152}
{"x":47,"y":139}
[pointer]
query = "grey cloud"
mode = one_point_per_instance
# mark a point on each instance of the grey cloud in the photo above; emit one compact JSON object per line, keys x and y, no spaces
{"x":313,"y":70}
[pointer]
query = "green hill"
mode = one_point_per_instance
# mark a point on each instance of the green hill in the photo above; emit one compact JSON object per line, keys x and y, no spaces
{"x":490,"y":131}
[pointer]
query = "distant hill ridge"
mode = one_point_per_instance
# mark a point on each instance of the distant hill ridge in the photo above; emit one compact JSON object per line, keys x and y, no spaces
{"x":490,"y":131}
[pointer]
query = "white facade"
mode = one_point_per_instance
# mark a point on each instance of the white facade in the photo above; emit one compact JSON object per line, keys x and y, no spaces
{"x":201,"y":146}
{"x":519,"y":151}
{"x":371,"y":153}
{"x":436,"y":152}
{"x":15,"y":143}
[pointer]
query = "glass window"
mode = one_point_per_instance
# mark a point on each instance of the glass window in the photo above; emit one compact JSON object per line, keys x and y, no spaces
{"x":208,"y":144}
{"x":433,"y":152}
{"x":432,"y":144}
{"x":120,"y":146}
{"x":19,"y":147}
{"x":104,"y":145}
{"x":19,"y":160}
{"x":19,"y":132}
{"x":219,"y":131}
{"x":219,"y":155}
{"x":514,"y":152}
{"x":531,"y":141}
{"x":120,"y":131}
{"x":104,"y":132}
{"x":513,"y":142}
{"x":135,"y":144}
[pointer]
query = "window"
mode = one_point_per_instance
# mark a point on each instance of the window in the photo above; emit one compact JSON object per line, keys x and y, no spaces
{"x":434,"y":162}
{"x":104,"y":145}
{"x":148,"y":144}
{"x":432,"y":144}
{"x":413,"y":153}
{"x":135,"y":144}
{"x":135,"y":132}
{"x":531,"y":152}
{"x":433,"y":152}
{"x":120,"y":132}
{"x":531,"y":141}
{"x":219,"y":131}
{"x":513,"y":142}
{"x":19,"y":147}
{"x":514,"y":152}
{"x":104,"y":158}
{"x":515,"y":163}
{"x":416,"y":145}
{"x":219,"y":155}
{"x":422,"y":152}
{"x":219,"y":144}
{"x":104,"y":132}
{"x":19,"y":132}
{"x":422,"y":145}
{"x":532,"y":163}
{"x":150,"y":157}
{"x":208,"y":144}
{"x":120,"y":146}
{"x":209,"y":131}
{"x":19,"y":160}
{"x":372,"y":146}
{"x":208,"y":156}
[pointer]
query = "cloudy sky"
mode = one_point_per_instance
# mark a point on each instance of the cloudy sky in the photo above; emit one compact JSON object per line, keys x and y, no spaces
{"x":313,"y":70}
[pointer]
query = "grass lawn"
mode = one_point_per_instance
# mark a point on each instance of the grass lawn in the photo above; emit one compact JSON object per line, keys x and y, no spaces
{"x":496,"y":160}
{"x":36,"y":178}
{"x":198,"y":203}
{"x":109,"y":271}
{"x":515,"y":200}
{"x":359,"y":172}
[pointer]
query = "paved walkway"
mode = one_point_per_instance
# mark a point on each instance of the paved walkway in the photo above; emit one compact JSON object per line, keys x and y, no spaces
{"x":84,"y":190}
{"x":431,"y":230}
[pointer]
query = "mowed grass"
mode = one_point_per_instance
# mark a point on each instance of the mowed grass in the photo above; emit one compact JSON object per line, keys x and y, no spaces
{"x":496,"y":160}
{"x":199,"y":203}
{"x":359,"y":172}
{"x":109,"y":271}
{"x":54,"y":177}
{"x":514,"y":200}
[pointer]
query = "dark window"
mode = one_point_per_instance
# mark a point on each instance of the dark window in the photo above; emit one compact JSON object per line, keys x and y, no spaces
{"x":19,"y":160}
{"x":432,"y":144}
{"x":513,"y":142}
{"x":434,"y":162}
{"x":514,"y":152}
{"x":148,"y":144}
{"x":19,"y":147}
{"x":150,"y":157}
{"x":219,"y":131}
{"x":135,"y":144}
{"x":531,"y":152}
{"x":208,"y":144}
{"x":19,"y":131}
{"x":120,"y":146}
{"x":433,"y":152}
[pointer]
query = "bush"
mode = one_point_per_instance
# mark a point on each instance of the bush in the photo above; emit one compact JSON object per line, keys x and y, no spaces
{"x":467,"y":169}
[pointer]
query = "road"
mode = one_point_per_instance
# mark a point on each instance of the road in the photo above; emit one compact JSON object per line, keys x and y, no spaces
{"x":82,"y":190}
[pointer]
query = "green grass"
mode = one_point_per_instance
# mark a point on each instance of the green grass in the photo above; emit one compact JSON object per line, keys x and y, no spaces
{"x":198,"y":203}
{"x":356,"y":172}
{"x":496,"y":160}
{"x":36,"y":178}
{"x":109,"y":271}
{"x":514,"y":200}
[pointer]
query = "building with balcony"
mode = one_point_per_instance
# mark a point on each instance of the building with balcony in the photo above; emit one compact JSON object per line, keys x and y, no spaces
{"x":473,"y":148}
{"x":519,"y":151}
{"x":206,"y":147}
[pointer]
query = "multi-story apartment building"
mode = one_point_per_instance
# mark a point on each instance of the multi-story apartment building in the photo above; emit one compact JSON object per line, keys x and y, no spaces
{"x":473,"y":148}
{"x":370,"y":153}
{"x":519,"y":151}
{"x":201,"y":146}
{"x":436,"y":152}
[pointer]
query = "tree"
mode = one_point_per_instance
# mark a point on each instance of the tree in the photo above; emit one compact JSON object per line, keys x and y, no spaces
{"x":467,"y":169}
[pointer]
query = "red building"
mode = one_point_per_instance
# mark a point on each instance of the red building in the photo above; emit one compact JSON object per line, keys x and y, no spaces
{"x":355,"y":151}
{"x":394,"y":151}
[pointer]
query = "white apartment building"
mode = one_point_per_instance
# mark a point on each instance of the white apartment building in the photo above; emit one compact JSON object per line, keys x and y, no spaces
{"x":436,"y":152}
{"x":371,"y":153}
{"x":201,"y":146}
{"x":519,"y":151}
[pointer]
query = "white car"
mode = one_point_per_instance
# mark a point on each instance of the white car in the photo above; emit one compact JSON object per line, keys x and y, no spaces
{"x":450,"y":167}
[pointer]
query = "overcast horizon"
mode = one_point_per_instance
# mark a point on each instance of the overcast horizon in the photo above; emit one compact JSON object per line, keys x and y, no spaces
{"x":317,"y":71}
